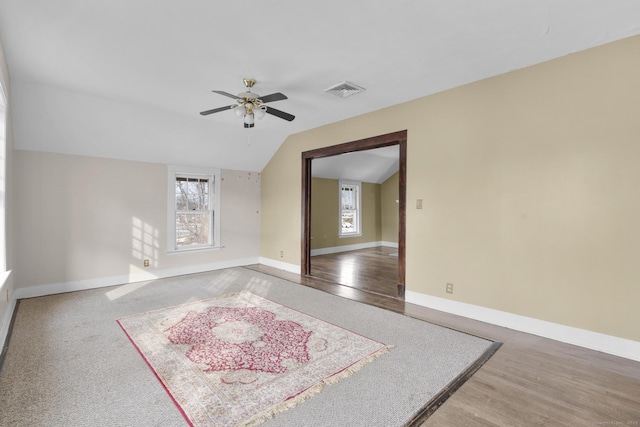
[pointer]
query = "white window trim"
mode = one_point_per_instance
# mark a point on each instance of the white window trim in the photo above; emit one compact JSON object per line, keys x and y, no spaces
{"x":358,"y":210}
{"x":214,"y":182}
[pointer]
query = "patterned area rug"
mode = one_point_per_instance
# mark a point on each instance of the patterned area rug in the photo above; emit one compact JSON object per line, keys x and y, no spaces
{"x":240,"y":359}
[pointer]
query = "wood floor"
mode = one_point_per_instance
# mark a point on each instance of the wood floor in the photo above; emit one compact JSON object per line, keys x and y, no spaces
{"x":373,"y":269}
{"x":530,"y":381}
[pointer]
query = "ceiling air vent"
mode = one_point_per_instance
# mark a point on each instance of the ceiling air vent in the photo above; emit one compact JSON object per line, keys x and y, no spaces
{"x":345,"y":89}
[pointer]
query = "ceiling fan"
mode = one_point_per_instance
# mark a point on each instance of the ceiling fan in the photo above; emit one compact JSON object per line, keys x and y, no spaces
{"x":250,"y":105}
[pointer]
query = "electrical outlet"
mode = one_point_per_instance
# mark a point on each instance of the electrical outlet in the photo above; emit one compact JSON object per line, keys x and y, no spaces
{"x":281,"y":254}
{"x":418,"y":203}
{"x":146,"y":263}
{"x":449,"y":288}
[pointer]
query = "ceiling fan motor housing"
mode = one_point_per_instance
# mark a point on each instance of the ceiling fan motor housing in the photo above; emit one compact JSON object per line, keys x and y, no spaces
{"x":248,"y":95}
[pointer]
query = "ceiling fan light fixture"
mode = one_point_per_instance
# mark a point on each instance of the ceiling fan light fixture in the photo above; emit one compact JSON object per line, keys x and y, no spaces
{"x":344,"y":89}
{"x":240,"y":111}
{"x":248,"y":119}
{"x":259,"y":113}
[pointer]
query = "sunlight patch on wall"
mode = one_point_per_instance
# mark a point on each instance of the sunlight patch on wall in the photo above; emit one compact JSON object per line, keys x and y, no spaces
{"x":144,"y":242}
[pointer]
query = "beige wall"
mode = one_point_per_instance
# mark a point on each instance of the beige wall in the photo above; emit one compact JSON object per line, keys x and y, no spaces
{"x":530,"y":186}
{"x":324,"y":214}
{"x":87,"y":218}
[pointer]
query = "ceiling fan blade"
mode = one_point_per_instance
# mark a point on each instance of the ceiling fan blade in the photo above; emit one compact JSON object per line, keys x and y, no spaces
{"x":221,"y":92}
{"x":273,"y":97}
{"x":281,"y":114}
{"x":217,"y":110}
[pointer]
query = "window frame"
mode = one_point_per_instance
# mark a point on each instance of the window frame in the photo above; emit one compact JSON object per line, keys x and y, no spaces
{"x":214,"y":178}
{"x":358,"y":210}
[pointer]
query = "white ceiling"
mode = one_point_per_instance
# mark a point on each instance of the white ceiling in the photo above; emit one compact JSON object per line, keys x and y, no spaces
{"x":167,"y":56}
{"x":375,"y":166}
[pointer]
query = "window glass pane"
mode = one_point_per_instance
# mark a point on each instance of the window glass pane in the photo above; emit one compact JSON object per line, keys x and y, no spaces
{"x":192,"y":229}
{"x":181,"y":195}
{"x":192,"y":195}
{"x":348,"y":221}
{"x":348,"y":197}
{"x":203,"y":195}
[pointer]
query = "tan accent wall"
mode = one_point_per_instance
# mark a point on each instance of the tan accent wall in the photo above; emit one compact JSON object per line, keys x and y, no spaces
{"x":324,"y":214}
{"x":389,"y":193}
{"x":530,"y":186}
{"x":84,"y":218}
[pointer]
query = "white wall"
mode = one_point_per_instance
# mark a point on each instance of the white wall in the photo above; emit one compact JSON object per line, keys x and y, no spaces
{"x":88,"y":221}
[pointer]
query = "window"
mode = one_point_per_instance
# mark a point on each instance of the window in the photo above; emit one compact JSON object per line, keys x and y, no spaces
{"x":3,"y":181}
{"x":194,"y":205}
{"x":349,"y":209}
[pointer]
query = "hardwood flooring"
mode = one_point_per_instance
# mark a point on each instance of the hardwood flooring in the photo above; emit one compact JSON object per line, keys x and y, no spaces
{"x":374,"y":269}
{"x":530,"y":381}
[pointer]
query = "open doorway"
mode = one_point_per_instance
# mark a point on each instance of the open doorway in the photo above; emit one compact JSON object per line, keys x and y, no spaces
{"x":397,"y":139}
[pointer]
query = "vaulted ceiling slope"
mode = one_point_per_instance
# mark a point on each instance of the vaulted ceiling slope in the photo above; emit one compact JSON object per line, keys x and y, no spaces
{"x":127,"y":78}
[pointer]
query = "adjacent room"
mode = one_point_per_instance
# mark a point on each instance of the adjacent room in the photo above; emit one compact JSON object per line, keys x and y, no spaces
{"x":200,"y":201}
{"x":354,"y":219}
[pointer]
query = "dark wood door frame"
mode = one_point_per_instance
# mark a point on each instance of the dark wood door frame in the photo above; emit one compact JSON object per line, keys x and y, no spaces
{"x":396,"y":138}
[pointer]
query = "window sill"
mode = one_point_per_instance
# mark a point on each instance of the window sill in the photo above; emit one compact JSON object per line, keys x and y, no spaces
{"x":193,"y":250}
{"x":342,"y":236}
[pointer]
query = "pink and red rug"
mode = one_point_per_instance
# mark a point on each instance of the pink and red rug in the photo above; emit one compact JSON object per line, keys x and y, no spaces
{"x":240,"y":359}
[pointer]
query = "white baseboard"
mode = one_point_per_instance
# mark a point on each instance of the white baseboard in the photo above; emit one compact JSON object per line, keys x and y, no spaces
{"x":389,"y":244}
{"x":592,"y":340}
{"x":10,"y":305}
{"x":80,"y":285}
{"x":354,"y":247}
{"x":280,"y":265}
{"x":6,"y":322}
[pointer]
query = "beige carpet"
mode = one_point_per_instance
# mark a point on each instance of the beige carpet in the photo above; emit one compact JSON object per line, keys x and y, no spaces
{"x":70,"y":364}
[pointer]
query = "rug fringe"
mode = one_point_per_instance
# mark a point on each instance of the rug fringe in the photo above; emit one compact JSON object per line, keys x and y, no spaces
{"x":313,"y":390}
